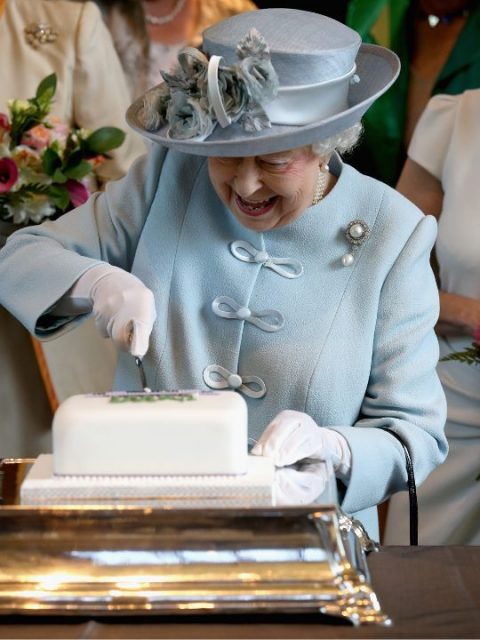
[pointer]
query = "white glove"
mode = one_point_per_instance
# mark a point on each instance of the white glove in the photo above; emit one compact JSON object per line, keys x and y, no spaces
{"x":292,"y":487}
{"x":293,"y":436}
{"x":123,"y":307}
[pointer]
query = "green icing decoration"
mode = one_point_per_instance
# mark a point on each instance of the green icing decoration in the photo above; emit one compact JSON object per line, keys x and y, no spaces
{"x":152,"y":397}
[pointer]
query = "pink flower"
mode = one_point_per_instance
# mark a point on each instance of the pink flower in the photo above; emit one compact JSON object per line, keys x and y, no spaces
{"x":27,"y":158}
{"x":59,"y":130}
{"x":4,"y":122}
{"x":37,"y":137}
{"x":77,"y":191}
{"x":476,"y":335}
{"x":8,"y":174}
{"x":4,"y":127}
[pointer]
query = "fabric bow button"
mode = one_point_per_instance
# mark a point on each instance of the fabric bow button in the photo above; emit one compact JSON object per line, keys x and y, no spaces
{"x":217,"y":377}
{"x":285,"y":267}
{"x":267,"y":320}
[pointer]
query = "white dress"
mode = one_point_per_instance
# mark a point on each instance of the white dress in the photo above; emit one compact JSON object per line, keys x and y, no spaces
{"x":447,"y":143}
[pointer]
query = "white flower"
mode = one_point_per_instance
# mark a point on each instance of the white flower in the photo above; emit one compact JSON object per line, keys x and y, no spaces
{"x":36,"y":209}
{"x":4,"y":149}
{"x":19,"y":105}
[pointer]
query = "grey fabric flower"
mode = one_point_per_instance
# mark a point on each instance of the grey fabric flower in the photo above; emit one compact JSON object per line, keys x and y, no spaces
{"x":255,"y":67}
{"x":255,"y":119}
{"x":235,"y":95}
{"x":260,"y":79}
{"x":190,"y":74}
{"x":188,"y":117}
{"x":154,"y":111}
{"x":183,"y":99}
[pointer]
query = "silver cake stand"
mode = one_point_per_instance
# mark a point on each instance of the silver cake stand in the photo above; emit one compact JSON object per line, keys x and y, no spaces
{"x":140,"y":559}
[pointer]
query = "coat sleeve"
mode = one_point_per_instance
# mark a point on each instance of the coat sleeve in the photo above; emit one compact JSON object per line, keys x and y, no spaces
{"x":100,"y":92}
{"x":39,"y":264}
{"x":433,"y":133}
{"x":404,"y":393}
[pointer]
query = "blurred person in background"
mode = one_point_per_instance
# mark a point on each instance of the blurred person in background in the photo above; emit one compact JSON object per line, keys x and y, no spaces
{"x":149,"y":34}
{"x":438,"y":44}
{"x":38,"y":38}
{"x":441,"y":177}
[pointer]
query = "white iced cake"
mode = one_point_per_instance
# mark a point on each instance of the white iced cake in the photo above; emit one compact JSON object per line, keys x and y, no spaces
{"x":150,"y":433}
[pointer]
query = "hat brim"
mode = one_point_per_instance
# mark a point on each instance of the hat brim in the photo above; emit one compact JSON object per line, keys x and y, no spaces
{"x":377,"y":68}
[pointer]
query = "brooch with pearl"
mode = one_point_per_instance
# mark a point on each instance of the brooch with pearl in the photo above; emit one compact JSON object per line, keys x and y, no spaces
{"x":357,"y":232}
{"x":39,"y":33}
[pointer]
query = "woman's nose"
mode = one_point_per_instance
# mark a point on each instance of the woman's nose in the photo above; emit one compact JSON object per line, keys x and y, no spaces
{"x":247,"y":178}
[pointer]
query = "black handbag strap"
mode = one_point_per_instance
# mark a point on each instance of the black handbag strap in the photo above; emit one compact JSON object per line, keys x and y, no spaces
{"x":412,"y":488}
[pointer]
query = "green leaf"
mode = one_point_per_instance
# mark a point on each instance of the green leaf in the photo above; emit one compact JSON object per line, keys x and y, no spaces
{"x":47,"y":87}
{"x":79,"y":171}
{"x":74,"y":157}
{"x":59,"y":177}
{"x":470,"y":355}
{"x":51,"y":161}
{"x":104,"y":139}
{"x":59,"y":196}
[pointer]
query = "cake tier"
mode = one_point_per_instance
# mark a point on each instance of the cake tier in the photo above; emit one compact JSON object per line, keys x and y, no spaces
{"x":178,"y":433}
{"x":252,"y":489}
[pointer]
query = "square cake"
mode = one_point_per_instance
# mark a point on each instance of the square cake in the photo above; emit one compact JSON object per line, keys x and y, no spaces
{"x":151,"y":433}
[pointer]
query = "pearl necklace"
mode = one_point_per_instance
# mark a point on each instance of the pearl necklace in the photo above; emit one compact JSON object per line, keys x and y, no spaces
{"x":320,"y":187}
{"x":159,"y":20}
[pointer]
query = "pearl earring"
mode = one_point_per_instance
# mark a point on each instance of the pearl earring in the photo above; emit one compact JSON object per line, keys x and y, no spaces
{"x":324,"y":168}
{"x":357,"y":232}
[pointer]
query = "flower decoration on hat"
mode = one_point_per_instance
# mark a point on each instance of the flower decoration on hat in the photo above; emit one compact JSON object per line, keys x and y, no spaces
{"x":203,"y":92}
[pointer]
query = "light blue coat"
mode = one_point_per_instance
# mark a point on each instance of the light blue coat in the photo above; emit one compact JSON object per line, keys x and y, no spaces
{"x":357,"y":348}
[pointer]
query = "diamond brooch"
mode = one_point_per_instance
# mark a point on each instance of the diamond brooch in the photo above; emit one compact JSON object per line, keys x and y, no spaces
{"x":357,"y":232}
{"x":39,"y":33}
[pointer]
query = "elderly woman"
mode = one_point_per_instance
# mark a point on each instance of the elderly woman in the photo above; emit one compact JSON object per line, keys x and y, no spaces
{"x":243,"y":254}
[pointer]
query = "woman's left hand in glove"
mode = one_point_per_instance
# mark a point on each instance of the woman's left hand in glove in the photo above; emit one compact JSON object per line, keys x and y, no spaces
{"x":293,"y":436}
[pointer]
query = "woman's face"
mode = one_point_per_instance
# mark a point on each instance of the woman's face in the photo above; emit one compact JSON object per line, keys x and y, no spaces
{"x":266,"y":192}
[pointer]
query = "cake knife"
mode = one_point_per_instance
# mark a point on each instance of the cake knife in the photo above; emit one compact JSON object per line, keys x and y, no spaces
{"x":143,"y":377}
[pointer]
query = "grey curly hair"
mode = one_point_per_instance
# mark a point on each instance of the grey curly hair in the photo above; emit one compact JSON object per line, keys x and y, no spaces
{"x":342,"y":142}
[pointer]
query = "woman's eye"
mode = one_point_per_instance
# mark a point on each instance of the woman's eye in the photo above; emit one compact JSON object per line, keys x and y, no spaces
{"x":281,"y":164}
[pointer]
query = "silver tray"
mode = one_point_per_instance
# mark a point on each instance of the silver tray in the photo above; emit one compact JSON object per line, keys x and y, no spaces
{"x":91,"y":559}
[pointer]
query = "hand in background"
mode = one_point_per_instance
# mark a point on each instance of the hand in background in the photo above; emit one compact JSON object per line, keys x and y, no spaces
{"x":459,"y":315}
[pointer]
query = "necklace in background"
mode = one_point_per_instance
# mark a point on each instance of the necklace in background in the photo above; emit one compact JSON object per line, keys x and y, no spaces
{"x":437,"y":12}
{"x":159,"y":20}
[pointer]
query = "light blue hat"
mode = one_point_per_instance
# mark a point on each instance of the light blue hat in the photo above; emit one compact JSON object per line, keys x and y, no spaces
{"x":265,"y":81}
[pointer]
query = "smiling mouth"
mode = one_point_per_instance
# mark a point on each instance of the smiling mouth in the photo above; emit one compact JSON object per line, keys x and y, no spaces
{"x":255,"y":208}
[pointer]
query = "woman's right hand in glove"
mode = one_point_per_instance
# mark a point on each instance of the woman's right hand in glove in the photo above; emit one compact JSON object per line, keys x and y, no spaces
{"x":124,"y":308}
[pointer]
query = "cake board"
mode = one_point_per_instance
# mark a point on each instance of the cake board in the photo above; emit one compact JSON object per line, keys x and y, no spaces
{"x":255,"y":488}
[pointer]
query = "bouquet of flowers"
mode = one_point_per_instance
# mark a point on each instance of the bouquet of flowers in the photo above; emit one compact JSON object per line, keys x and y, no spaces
{"x":46,"y":167}
{"x":470,"y":355}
